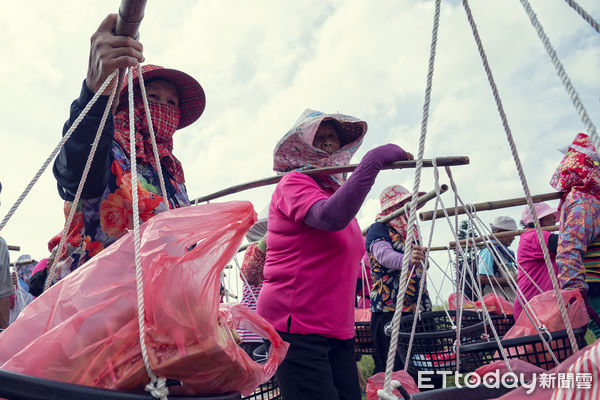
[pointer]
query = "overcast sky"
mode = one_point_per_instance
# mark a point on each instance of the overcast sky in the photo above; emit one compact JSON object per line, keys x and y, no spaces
{"x":261,"y":63}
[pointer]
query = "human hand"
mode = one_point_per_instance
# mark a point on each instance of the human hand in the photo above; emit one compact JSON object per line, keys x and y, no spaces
{"x":386,"y":154}
{"x":418,"y":255}
{"x":109,"y":53}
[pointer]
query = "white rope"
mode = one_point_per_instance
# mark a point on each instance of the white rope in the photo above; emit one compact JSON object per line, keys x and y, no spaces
{"x":157,"y":386}
{"x":537,"y":325}
{"x":387,"y":387}
{"x":425,"y":266}
{"x":86,"y":169}
{"x":54,"y":152}
{"x":562,"y":74}
{"x":583,"y":14}
{"x":237,"y":264}
{"x":517,"y":160}
{"x":477,"y":288}
{"x":161,"y":179}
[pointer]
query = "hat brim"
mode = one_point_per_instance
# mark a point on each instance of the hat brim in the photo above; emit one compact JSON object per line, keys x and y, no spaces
{"x":192,"y":99}
{"x":348,"y":131}
{"x":399,"y":200}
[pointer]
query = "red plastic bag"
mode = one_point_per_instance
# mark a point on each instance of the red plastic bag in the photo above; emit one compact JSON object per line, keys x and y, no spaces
{"x":84,"y":329}
{"x":494,"y":304}
{"x":376,"y":382}
{"x":545,"y":307}
{"x":362,"y":314}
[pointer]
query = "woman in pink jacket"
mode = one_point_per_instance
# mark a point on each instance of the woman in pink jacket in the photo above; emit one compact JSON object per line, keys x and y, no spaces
{"x":314,"y":247}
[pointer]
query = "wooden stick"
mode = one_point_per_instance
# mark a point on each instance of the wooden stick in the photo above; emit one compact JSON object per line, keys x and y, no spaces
{"x":441,"y":162}
{"x":131,"y":13}
{"x":490,"y":205}
{"x":420,"y":200}
{"x":480,"y":239}
{"x":14,"y":248}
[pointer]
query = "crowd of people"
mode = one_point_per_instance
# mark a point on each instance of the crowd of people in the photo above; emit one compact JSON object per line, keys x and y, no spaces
{"x":301,"y":275}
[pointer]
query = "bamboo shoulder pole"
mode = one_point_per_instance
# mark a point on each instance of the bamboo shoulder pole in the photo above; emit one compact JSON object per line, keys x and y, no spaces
{"x":14,"y":248}
{"x":131,"y":13}
{"x":420,"y":200}
{"x":480,"y":239}
{"x":490,"y":205}
{"x":441,"y":162}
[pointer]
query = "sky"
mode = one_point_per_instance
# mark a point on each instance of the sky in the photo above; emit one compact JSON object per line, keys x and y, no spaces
{"x":261,"y":63}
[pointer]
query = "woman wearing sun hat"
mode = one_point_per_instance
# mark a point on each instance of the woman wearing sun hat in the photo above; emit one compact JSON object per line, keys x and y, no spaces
{"x":530,"y":257}
{"x":314,"y":247}
{"x":386,"y":244}
{"x":104,"y":213}
{"x":578,"y":253}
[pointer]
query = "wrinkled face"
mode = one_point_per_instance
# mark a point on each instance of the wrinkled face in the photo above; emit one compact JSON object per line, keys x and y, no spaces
{"x":162,"y":92}
{"x":506,"y":241}
{"x":548,"y":220}
{"x":327,"y":138}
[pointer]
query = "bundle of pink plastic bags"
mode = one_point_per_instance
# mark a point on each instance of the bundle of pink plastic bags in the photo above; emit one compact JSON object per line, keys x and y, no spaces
{"x":84,"y":329}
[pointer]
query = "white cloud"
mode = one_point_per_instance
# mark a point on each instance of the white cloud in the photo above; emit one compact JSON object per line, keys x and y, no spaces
{"x":262,"y":63}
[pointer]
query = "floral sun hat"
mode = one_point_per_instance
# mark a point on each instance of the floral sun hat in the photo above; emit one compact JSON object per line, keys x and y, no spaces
{"x":295,"y":150}
{"x":579,"y":169}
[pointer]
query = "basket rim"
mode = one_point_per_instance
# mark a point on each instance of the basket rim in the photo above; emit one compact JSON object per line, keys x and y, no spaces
{"x":492,"y":345}
{"x":445,"y":333}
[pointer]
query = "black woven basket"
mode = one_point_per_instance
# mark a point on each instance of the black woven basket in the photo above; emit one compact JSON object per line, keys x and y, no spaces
{"x":433,"y":343}
{"x":363,"y":341}
{"x":267,"y":391}
{"x":502,"y":323}
{"x":527,"y":348}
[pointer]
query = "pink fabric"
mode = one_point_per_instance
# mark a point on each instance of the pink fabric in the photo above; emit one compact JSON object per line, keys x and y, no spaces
{"x":40,"y":266}
{"x":364,"y":302}
{"x":310,"y":274}
{"x":531,"y":259}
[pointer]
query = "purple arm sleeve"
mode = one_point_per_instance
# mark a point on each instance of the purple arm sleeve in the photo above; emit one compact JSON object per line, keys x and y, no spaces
{"x":336,"y":212}
{"x":385,"y":255}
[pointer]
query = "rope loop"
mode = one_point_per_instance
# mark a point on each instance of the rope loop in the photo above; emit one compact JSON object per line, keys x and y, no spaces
{"x":158,"y":388}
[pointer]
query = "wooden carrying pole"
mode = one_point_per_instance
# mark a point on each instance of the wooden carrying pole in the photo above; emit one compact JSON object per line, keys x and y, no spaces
{"x":420,"y":201}
{"x":490,"y":205}
{"x":131,"y":13}
{"x":14,"y":248}
{"x":441,"y":162}
{"x":480,"y":239}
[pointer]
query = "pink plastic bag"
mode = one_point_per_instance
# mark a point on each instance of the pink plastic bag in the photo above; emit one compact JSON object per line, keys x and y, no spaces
{"x":84,"y":329}
{"x":376,"y":382}
{"x":545,"y":307}
{"x":494,"y":304}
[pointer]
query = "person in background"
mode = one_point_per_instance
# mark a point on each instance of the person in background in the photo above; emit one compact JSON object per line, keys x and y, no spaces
{"x":104,"y":213}
{"x":530,"y":256}
{"x":490,"y":277}
{"x":7,"y":288}
{"x":386,"y":245}
{"x":577,"y":177}
{"x":252,"y":279}
{"x":314,"y":247}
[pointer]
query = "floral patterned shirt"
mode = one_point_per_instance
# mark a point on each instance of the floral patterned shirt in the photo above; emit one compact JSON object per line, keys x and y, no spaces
{"x":386,"y":281}
{"x":579,"y":227}
{"x":104,"y":213}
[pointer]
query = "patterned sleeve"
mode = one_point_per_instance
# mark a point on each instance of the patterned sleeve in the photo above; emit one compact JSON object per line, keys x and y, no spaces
{"x":377,"y":232}
{"x":577,"y":230}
